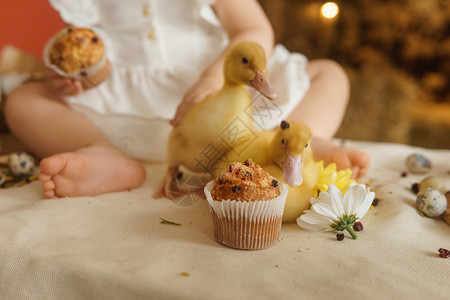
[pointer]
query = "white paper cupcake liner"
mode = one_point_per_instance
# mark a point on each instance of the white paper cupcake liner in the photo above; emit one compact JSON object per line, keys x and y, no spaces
{"x":252,"y":225}
{"x":90,"y":76}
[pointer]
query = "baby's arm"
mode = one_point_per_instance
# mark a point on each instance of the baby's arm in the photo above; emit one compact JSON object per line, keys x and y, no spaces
{"x":242,"y":20}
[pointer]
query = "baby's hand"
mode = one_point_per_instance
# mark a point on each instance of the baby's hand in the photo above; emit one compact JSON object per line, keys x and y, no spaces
{"x":63,"y":85}
{"x":205,"y":86}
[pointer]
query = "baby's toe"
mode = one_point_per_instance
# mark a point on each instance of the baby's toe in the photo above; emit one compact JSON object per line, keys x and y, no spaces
{"x":48,"y":185}
{"x":49,"y":194}
{"x":44,"y":177}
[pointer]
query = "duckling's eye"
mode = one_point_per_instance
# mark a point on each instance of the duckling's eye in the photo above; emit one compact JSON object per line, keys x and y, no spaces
{"x":282,"y":142}
{"x":244,"y":60}
{"x":306,"y":146}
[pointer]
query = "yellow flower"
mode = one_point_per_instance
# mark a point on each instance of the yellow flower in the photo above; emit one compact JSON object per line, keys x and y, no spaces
{"x":329,"y":175}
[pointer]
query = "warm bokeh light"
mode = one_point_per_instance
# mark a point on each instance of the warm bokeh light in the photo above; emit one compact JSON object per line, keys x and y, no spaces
{"x":329,"y":10}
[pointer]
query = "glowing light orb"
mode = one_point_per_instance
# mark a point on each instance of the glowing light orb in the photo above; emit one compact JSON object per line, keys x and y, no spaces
{"x":329,"y":10}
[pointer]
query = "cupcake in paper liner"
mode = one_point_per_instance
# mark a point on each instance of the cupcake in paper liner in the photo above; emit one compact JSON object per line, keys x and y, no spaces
{"x":78,"y":53}
{"x":246,"y":205}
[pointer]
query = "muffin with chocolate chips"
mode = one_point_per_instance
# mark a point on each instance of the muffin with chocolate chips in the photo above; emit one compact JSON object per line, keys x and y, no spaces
{"x":245,"y":182}
{"x":78,"y":53}
{"x":247,"y":206}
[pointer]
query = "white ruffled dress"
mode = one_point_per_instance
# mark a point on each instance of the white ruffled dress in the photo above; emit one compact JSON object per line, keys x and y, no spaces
{"x":158,"y":49}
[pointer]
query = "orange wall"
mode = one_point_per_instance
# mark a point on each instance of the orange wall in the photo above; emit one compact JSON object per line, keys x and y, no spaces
{"x":27,"y":24}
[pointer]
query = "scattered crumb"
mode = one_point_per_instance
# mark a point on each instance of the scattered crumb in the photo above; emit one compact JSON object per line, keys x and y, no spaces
{"x":415,"y":188}
{"x":185,"y":274}
{"x":444,"y":253}
{"x":404,"y":174}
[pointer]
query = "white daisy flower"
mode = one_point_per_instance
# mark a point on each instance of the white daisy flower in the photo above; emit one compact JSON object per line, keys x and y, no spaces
{"x":334,"y":211}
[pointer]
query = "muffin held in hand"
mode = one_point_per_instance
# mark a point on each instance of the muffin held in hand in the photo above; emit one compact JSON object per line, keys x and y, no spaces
{"x":247,"y":206}
{"x":78,"y":53}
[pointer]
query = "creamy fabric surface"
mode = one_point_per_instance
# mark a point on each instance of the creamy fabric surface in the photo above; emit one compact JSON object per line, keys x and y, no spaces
{"x":113,"y":246}
{"x":149,"y":76}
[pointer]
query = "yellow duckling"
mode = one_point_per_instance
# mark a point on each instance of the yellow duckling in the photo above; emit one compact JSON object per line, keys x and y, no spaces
{"x":245,"y":65}
{"x":293,"y":163}
{"x":285,"y":153}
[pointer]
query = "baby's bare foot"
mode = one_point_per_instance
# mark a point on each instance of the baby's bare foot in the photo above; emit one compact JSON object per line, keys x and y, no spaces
{"x":89,"y":171}
{"x":344,"y":158}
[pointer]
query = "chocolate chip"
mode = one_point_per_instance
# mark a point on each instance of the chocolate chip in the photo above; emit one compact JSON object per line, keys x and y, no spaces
{"x":235,"y":189}
{"x":274,"y":183}
{"x":83,"y":73}
{"x":94,"y":40}
{"x":375,"y":202}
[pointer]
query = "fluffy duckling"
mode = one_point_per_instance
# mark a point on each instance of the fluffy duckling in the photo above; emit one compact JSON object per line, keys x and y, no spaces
{"x":245,"y":65}
{"x":285,"y":153}
{"x":293,"y":163}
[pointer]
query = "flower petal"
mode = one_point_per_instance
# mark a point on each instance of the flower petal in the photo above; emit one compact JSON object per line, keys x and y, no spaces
{"x":308,"y":226}
{"x":353,"y":199}
{"x":312,"y":221}
{"x":314,"y":218}
{"x":365,"y":206}
{"x":314,"y":200}
{"x":324,"y":197}
{"x":324,"y":210}
{"x":336,"y":200}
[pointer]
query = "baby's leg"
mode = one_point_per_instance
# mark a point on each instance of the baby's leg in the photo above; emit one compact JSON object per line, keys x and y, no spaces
{"x":78,"y":160}
{"x":323,"y":108}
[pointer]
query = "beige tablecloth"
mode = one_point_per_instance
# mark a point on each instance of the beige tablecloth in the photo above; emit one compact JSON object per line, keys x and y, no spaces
{"x":114,"y":247}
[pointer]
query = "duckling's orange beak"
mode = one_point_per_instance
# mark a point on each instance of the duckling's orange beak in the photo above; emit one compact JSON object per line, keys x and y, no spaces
{"x":261,"y":84}
{"x":292,"y":170}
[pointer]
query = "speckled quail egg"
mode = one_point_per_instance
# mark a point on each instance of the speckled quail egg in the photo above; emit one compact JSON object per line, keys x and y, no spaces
{"x":431,"y":202}
{"x":417,"y":163}
{"x":21,"y":164}
{"x":432,"y":182}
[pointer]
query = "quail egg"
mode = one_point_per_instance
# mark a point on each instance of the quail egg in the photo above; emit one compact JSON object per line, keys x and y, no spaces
{"x":417,"y":163}
{"x":21,"y":164}
{"x":431,"y":202}
{"x":432,"y":182}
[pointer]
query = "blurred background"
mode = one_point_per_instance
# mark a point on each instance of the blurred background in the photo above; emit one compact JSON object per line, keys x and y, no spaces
{"x":397,"y":55}
{"x":396,"y":52}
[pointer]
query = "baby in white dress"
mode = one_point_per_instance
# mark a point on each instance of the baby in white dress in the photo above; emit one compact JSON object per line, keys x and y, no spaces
{"x":165,"y":57}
